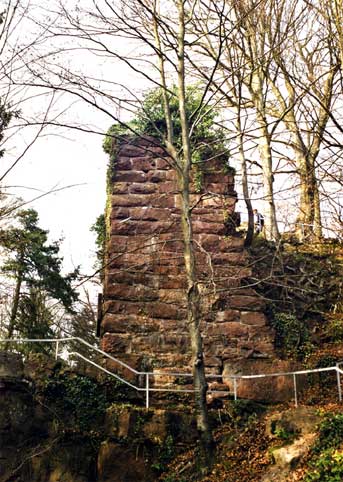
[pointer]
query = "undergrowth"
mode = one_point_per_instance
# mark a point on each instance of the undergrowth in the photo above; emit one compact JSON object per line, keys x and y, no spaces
{"x":326,"y":463}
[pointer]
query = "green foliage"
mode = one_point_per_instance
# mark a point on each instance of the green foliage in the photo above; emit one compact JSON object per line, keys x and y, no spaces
{"x":292,"y":335}
{"x":166,"y":452}
{"x":284,"y":434}
{"x":327,"y":464}
{"x":327,"y":468}
{"x":330,"y":432}
{"x":36,"y":262}
{"x":35,"y":266}
{"x":77,"y":396}
{"x":115,"y":132}
{"x":334,"y":330}
{"x":99,"y":228}
{"x":36,"y":320}
{"x":242,"y":412}
{"x":207,"y":140}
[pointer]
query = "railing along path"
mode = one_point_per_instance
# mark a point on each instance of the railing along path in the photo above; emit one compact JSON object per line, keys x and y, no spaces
{"x":148,"y":375}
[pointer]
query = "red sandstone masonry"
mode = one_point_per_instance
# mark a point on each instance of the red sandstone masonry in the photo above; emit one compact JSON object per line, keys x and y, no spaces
{"x":144,"y":299}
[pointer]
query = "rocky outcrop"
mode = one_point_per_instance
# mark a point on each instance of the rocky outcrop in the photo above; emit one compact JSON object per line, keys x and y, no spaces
{"x":144,"y":311}
{"x":299,"y":425}
{"x":40,"y":440}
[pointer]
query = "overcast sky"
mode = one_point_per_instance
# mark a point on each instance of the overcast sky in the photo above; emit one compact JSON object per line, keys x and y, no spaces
{"x":55,"y":162}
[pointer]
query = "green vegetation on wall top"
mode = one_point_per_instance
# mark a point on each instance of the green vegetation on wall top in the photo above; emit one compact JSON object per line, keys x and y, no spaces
{"x":207,"y":139}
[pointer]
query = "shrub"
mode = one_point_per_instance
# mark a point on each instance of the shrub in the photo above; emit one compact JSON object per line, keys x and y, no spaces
{"x":327,"y":465}
{"x":292,"y":335}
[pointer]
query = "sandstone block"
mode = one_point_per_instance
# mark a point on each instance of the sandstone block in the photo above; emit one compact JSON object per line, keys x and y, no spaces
{"x":217,"y":187}
{"x":132,"y":200}
{"x":168,"y":187}
{"x":215,"y":201}
{"x":129,"y":324}
{"x":142,"y":188}
{"x":119,"y":213}
{"x":116,"y":464}
{"x":208,"y":228}
{"x":125,"y":307}
{"x":170,"y":175}
{"x":127,"y":150}
{"x":215,"y":177}
{"x":120,"y":188}
{"x":165,"y":310}
{"x":253,"y":318}
{"x":228,"y":315}
{"x":290,"y":456}
{"x":229,"y":271}
{"x":116,"y":343}
{"x":130,"y":176}
{"x":157,"y":176}
{"x":213,"y":361}
{"x":173,"y":283}
{"x":230,"y":329}
{"x":131,"y":292}
{"x":134,"y":362}
{"x":144,"y":163}
{"x":150,"y":214}
{"x":139,"y":227}
{"x":162,"y":163}
{"x":246,"y":302}
{"x":172,"y":296}
{"x":272,"y":389}
{"x":123,"y":163}
{"x":261,"y":333}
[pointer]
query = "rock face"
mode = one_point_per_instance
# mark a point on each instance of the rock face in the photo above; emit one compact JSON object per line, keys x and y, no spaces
{"x":40,"y":444}
{"x":144,"y":311}
{"x":300,"y":423}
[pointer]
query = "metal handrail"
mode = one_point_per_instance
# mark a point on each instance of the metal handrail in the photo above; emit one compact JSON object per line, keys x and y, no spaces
{"x":147,"y":389}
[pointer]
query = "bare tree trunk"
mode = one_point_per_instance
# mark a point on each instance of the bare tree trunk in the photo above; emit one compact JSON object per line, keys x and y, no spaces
{"x":245,"y":185}
{"x":193,"y":321}
{"x":193,"y":295}
{"x":271,"y":231}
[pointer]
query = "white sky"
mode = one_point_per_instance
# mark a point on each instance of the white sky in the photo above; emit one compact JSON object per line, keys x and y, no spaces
{"x":54,"y":162}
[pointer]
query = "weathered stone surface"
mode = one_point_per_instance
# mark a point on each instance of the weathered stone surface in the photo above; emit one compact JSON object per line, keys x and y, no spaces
{"x":141,"y":188}
{"x":301,"y":420}
{"x":291,"y":454}
{"x":115,"y":323}
{"x":208,"y":227}
{"x":133,"y":292}
{"x":246,"y":302}
{"x":228,"y":315}
{"x":130,"y":176}
{"x":231,"y":329}
{"x":253,"y":318}
{"x":117,"y":464}
{"x":272,"y":389}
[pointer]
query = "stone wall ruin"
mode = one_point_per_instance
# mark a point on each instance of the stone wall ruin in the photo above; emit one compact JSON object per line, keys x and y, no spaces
{"x":144,"y":312}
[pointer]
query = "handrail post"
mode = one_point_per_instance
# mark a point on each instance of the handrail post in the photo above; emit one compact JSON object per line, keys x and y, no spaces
{"x":235,"y":388}
{"x":295,"y":389}
{"x":339,"y":387}
{"x":147,"y":390}
{"x":56,"y":351}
